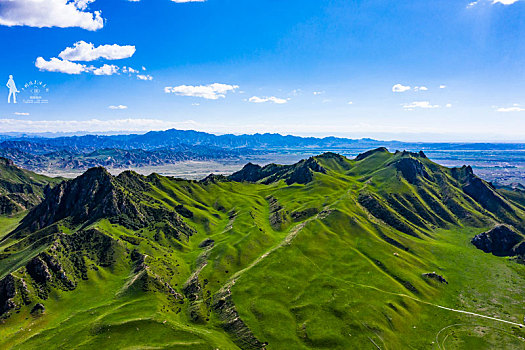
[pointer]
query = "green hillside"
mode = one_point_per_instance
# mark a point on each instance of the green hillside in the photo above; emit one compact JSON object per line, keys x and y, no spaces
{"x":378,"y":252}
{"x":20,"y":189}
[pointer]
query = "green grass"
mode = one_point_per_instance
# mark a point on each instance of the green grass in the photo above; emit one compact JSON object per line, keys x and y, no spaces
{"x":338,"y":279}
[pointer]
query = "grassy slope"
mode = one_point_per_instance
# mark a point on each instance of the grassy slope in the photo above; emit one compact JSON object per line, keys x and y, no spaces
{"x":330,"y":281}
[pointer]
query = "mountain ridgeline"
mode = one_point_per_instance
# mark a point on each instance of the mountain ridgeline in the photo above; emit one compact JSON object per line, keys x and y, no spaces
{"x":20,"y":189}
{"x":387,"y":250}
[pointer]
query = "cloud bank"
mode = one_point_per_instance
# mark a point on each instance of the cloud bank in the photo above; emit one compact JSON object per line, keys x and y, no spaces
{"x":50,"y":13}
{"x":209,"y":92}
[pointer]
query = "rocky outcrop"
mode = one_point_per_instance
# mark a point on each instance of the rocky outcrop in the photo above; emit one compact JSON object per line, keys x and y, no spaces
{"x":435,"y":276}
{"x":38,"y":309}
{"x":299,"y":173}
{"x":207,"y":243}
{"x":98,"y":195}
{"x":486,"y":195}
{"x":411,"y":169}
{"x":233,"y":324}
{"x":7,"y":293}
{"x":502,"y":240}
{"x":38,"y":270}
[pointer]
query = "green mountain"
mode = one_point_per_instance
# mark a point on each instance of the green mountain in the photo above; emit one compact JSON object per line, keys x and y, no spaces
{"x":388,"y":251}
{"x":20,"y":189}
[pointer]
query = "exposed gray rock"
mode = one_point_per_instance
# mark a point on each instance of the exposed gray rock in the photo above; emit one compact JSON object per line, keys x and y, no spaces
{"x":502,"y":240}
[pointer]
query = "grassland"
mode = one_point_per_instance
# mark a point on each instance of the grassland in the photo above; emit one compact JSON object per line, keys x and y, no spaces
{"x":335,"y":263}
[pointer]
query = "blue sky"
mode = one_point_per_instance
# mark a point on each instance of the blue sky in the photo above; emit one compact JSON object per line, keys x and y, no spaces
{"x":410,"y":70}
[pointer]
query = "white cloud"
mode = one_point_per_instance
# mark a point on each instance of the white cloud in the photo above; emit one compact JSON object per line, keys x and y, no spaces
{"x":515,"y":108}
{"x":350,"y":102}
{"x":493,"y":2}
{"x":420,"y":88}
{"x":209,"y":92}
{"x":68,"y":67}
{"x":505,"y":2}
{"x":118,"y":107}
{"x":442,"y":86}
{"x":255,"y":99}
{"x":82,"y":51}
{"x":129,"y":70}
{"x":61,"y":66}
{"x":400,"y":88}
{"x":50,"y":13}
{"x":144,"y":77}
{"x":318,"y":92}
{"x":21,"y":113}
{"x":448,"y":105}
{"x":107,"y":69}
{"x":419,"y":104}
{"x":184,"y":1}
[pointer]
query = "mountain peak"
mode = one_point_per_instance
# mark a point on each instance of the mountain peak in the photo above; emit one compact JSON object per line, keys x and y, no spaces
{"x":367,"y":154}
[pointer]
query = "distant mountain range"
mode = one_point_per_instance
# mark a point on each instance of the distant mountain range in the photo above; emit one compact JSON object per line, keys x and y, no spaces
{"x":171,"y":146}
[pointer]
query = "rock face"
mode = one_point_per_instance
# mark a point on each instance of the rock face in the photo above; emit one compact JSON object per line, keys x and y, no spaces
{"x":7,"y":292}
{"x":435,"y":276}
{"x":96,"y":195}
{"x":299,"y":173}
{"x":485,"y":194}
{"x":38,"y":270}
{"x":38,"y":309}
{"x":412,"y":169}
{"x":500,"y":241}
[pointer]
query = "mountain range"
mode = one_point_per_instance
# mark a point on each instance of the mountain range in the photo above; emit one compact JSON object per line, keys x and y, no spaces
{"x":171,"y":146}
{"x":386,"y":250}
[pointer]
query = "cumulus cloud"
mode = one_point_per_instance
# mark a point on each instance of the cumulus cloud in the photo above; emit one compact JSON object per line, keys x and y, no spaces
{"x":209,"y":92}
{"x":68,"y":67}
{"x":118,"y":107}
{"x":505,"y":2}
{"x":86,"y":52}
{"x":61,"y":66}
{"x":129,"y":70}
{"x":144,"y":77}
{"x":83,"y":51}
{"x":50,"y":13}
{"x":107,"y":69}
{"x":419,"y":104}
{"x":255,"y":99}
{"x":420,"y":88}
{"x":400,"y":88}
{"x":318,"y":93}
{"x":515,"y":108}
{"x":442,"y":86}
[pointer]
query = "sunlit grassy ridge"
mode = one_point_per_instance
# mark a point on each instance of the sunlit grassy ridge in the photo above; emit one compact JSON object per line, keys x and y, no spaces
{"x":327,"y":253}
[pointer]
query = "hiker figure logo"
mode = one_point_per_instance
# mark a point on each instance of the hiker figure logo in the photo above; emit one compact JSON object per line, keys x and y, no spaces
{"x":12,"y":90}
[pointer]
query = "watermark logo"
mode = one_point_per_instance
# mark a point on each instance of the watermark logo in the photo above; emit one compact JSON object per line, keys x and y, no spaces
{"x":12,"y":90}
{"x":36,"y":92}
{"x":33,"y":92}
